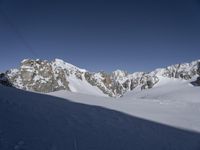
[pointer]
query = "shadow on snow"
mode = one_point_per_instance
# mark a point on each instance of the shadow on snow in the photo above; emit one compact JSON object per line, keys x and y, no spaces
{"x":30,"y":121}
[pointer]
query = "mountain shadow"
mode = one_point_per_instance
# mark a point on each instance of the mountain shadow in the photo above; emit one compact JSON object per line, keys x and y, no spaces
{"x":30,"y":121}
{"x":4,"y":80}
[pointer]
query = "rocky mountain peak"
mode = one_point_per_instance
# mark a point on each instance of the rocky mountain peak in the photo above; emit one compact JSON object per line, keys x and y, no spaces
{"x":64,"y":65}
{"x":44,"y":76}
{"x":119,"y":74}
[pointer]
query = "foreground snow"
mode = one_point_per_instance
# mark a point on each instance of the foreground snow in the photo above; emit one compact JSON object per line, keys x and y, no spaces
{"x":173,"y":102}
{"x":31,"y":121}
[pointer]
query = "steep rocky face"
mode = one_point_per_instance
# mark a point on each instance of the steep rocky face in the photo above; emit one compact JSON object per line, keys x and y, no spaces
{"x":184,"y":71}
{"x":119,"y":82}
{"x":4,"y":80}
{"x":148,"y":81}
{"x":37,"y":75}
{"x":44,"y":76}
{"x":198,"y":69}
{"x":197,"y":82}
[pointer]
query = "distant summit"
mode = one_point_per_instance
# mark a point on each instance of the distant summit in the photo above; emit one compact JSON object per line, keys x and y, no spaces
{"x":43,"y":76}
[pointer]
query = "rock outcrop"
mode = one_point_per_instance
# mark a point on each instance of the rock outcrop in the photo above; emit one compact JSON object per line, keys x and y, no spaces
{"x":4,"y":80}
{"x":197,"y":82}
{"x":43,"y":76}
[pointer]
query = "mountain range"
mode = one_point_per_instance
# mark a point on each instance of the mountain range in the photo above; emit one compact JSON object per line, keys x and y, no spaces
{"x":44,"y":76}
{"x":72,"y":108}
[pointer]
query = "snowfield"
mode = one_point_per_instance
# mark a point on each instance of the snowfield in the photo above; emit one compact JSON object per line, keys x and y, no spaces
{"x":174,"y":102}
{"x":162,"y":118}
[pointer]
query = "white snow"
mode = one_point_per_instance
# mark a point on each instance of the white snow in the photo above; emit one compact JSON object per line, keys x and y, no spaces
{"x":143,"y":120}
{"x":37,"y":77}
{"x":60,"y":83}
{"x":63,"y":65}
{"x":82,"y":86}
{"x":164,"y":117}
{"x":173,"y":102}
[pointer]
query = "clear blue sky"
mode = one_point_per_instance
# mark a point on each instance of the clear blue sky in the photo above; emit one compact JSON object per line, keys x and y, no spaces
{"x":100,"y":34}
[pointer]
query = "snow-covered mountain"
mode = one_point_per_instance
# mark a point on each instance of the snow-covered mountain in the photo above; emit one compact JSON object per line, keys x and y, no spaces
{"x":166,"y":116}
{"x":43,"y":76}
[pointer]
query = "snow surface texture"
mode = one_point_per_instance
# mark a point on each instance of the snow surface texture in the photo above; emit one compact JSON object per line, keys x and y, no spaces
{"x":43,"y":76}
{"x":173,"y":102}
{"x":31,"y":121}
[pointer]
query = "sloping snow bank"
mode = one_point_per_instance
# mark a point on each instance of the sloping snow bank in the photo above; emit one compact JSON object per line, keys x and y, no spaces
{"x":31,"y":121}
{"x":172,"y":102}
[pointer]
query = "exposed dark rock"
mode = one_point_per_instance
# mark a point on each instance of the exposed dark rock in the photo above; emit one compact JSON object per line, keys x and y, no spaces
{"x":198,"y":70}
{"x":44,"y":76}
{"x":40,"y":76}
{"x":126,"y":84}
{"x":197,"y":82}
{"x":148,"y":81}
{"x":4,"y":80}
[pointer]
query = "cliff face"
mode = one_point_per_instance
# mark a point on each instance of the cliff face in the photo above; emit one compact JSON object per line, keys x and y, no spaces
{"x":4,"y":80}
{"x":43,"y":76}
{"x":197,"y":82}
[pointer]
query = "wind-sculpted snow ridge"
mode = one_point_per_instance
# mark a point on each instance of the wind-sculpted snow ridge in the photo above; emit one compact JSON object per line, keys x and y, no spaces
{"x":43,"y":76}
{"x":31,"y":121}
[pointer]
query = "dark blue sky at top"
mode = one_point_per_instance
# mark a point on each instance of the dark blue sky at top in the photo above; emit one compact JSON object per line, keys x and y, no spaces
{"x":100,"y":34}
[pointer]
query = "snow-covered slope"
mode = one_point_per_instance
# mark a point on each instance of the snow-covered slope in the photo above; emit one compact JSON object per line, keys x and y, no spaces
{"x":31,"y":121}
{"x":173,"y":102}
{"x":43,"y":76}
{"x":76,"y":113}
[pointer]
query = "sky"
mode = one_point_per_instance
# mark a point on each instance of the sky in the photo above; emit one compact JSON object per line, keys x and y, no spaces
{"x":132,"y":35}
